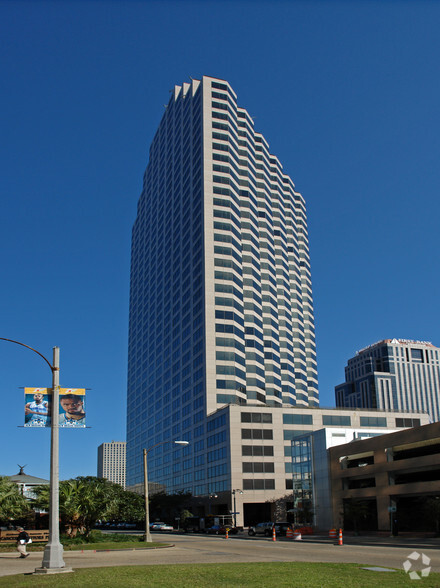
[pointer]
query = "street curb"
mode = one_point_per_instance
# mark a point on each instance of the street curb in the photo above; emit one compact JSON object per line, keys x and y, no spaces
{"x":83,"y":551}
{"x":127,"y":549}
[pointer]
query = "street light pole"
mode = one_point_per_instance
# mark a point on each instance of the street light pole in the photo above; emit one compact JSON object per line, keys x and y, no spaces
{"x":53,"y":552}
{"x":147,"y":508}
{"x":210,"y":497}
{"x":147,"y":511}
{"x":235,"y":504}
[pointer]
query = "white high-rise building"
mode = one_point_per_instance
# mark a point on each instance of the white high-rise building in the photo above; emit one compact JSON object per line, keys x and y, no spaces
{"x":221,"y":335}
{"x":111,"y":462}
{"x":393,"y":374}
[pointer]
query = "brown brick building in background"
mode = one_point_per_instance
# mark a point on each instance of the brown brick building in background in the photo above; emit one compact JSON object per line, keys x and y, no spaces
{"x":388,"y":483}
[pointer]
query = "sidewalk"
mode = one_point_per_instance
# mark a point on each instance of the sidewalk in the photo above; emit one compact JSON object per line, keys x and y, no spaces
{"x":186,"y":549}
{"x":11,"y":563}
{"x":369,"y":540}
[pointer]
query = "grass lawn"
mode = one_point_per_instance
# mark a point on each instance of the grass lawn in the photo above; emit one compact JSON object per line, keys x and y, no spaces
{"x":268,"y":575}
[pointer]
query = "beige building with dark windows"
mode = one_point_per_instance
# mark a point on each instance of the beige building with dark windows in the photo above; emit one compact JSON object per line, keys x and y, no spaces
{"x":263,"y":463}
{"x":389,"y":483}
{"x":111,"y":462}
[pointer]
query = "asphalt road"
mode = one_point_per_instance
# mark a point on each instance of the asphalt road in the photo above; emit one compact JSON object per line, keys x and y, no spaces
{"x":391,"y":552}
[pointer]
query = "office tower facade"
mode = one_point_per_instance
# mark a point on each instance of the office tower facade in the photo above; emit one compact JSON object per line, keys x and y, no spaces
{"x":221,"y":309}
{"x":112,"y":461}
{"x":393,"y":374}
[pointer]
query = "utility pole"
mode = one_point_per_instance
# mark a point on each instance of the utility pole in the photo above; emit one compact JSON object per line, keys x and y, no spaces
{"x":53,"y":562}
{"x":53,"y":552}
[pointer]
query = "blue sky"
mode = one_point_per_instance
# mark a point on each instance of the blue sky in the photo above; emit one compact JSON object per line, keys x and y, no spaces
{"x":347,"y":95}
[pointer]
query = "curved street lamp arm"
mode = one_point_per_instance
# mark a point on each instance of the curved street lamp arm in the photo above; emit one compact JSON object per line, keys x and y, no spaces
{"x":164,"y":442}
{"x":156,"y":445}
{"x":32,"y":349}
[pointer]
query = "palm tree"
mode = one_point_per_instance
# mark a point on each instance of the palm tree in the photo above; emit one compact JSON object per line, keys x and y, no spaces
{"x":86,"y":499}
{"x":12,"y":504}
{"x":83,"y":501}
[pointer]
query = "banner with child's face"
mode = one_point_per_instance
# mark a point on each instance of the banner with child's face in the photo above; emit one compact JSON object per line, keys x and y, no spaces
{"x":38,"y":407}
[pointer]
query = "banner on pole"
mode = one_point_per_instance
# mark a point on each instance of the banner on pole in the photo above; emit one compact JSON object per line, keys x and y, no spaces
{"x":72,"y":407}
{"x":38,"y":407}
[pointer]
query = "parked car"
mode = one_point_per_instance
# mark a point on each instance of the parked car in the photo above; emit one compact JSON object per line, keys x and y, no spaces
{"x":221,"y":530}
{"x":161,"y":527}
{"x":110,"y":525}
{"x":126,"y":526}
{"x":281,"y":528}
{"x":267,"y":528}
{"x":261,"y":529}
{"x":192,"y":525}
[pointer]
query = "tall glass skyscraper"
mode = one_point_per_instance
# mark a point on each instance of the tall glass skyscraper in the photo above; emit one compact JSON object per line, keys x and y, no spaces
{"x":221,"y":309}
